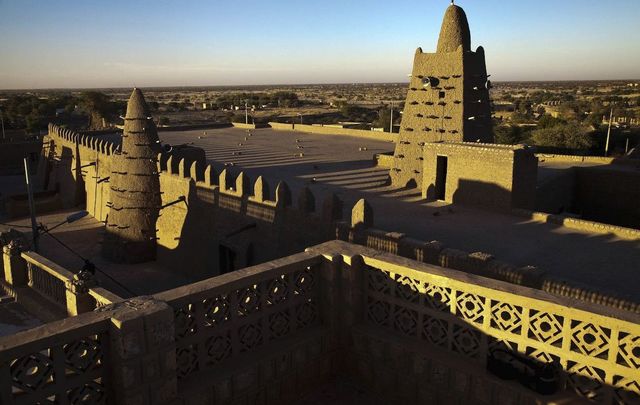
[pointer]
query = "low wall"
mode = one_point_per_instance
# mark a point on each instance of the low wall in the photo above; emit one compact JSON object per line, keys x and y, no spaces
{"x":423,"y":334}
{"x":281,"y":126}
{"x":479,"y":263}
{"x":17,"y":206}
{"x":46,"y":289}
{"x":574,"y":158}
{"x":384,"y":160}
{"x":407,"y":332}
{"x":193,"y":126}
{"x":580,"y":224}
{"x":248,"y":126}
{"x":358,"y":133}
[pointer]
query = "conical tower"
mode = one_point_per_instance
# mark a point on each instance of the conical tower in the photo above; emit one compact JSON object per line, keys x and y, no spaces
{"x":447,"y":101}
{"x":135,"y":188}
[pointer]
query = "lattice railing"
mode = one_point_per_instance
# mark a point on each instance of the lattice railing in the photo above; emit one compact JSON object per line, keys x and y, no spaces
{"x":600,"y":354}
{"x":67,"y":366}
{"x":240,"y":312}
{"x":47,"y":284}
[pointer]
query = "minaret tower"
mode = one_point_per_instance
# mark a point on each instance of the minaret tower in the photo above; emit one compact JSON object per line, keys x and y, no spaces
{"x":135,"y":188}
{"x":447,"y":101}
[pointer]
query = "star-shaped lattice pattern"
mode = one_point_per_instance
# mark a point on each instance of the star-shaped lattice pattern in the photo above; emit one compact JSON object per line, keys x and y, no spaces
{"x":437,"y":297}
{"x":470,"y":307}
{"x":407,"y":289}
{"x":218,"y":348}
{"x":378,"y":280}
{"x":435,"y":330}
{"x":589,"y":339}
{"x":277,"y":290}
{"x":216,"y":310}
{"x":248,"y":300}
{"x":506,"y":317}
{"x":405,"y":321}
{"x":279,"y":325}
{"x":378,"y":312}
{"x":586,"y":380}
{"x":628,"y":350}
{"x":30,"y":373}
{"x":545,"y":327}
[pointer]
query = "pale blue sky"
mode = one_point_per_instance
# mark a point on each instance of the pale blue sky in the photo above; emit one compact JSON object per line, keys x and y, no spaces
{"x":113,"y":43}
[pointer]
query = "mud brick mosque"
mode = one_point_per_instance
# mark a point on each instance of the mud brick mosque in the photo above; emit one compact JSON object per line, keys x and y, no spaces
{"x":198,"y":285}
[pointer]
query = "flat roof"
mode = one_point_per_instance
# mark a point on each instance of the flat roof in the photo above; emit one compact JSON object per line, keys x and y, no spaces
{"x":339,"y":164}
{"x":344,"y":165}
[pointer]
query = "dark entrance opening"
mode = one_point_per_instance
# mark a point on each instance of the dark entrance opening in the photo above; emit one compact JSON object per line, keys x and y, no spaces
{"x":441,"y":177}
{"x":227,"y":259}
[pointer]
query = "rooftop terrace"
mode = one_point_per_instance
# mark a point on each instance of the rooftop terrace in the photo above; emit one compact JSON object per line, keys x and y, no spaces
{"x":344,"y":165}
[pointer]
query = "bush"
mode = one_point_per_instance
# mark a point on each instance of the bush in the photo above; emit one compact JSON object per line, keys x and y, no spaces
{"x":241,"y":119}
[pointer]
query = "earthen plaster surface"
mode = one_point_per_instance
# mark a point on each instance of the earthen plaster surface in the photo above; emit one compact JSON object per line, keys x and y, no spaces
{"x":339,"y":166}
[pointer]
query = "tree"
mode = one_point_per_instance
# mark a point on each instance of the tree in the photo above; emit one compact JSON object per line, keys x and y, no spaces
{"x":384,"y":118}
{"x":571,"y":136}
{"x":509,"y":134}
{"x":241,"y":118}
{"x":98,"y":106}
{"x":547,"y":121}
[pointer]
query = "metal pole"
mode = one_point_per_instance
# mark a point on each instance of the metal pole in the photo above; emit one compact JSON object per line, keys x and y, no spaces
{"x":391,"y":119}
{"x":626,"y":147}
{"x":2,"y":120}
{"x":32,"y":210}
{"x":246,"y":113}
{"x":606,"y":146}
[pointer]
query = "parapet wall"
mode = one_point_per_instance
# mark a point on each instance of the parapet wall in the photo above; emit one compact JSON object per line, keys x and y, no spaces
{"x":227,"y":221}
{"x":580,"y":224}
{"x":404,"y":331}
{"x":84,"y":141}
{"x":327,"y":130}
{"x":77,"y":166}
{"x":478,"y":263}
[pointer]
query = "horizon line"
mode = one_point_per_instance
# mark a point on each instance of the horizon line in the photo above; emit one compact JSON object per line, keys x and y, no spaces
{"x":294,"y":84}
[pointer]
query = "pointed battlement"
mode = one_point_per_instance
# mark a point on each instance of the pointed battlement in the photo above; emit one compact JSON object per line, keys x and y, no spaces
{"x":89,"y":142}
{"x":228,"y":191}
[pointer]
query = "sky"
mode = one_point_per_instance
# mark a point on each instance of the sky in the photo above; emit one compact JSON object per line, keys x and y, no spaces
{"x":113,"y":43}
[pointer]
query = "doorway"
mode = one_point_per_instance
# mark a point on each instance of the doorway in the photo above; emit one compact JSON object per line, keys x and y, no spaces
{"x":227,"y":259}
{"x":441,"y":177}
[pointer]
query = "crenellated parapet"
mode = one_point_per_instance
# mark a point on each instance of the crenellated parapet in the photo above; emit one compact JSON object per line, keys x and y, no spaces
{"x":89,"y":142}
{"x":228,"y":190}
